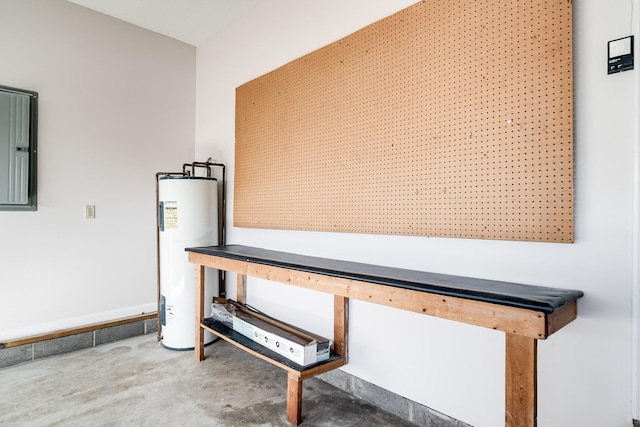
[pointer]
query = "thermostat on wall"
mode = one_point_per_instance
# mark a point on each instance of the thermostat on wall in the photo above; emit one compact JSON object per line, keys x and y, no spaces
{"x":620,"y":55}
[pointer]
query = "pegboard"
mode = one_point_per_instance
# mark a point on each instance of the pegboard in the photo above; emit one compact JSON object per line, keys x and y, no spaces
{"x":449,"y":118}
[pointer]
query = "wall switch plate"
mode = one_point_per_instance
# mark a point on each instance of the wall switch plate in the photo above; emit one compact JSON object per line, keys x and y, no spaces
{"x":89,"y":212}
{"x":620,"y":55}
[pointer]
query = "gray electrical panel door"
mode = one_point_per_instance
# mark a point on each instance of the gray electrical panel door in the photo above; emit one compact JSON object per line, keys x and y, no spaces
{"x":14,"y":148}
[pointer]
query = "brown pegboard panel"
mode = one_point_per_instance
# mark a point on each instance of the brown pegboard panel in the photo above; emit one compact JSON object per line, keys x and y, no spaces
{"x":449,"y":118}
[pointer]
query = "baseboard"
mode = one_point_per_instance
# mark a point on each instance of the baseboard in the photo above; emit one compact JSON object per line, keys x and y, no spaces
{"x":93,"y":318}
{"x":390,"y":402}
{"x":76,"y":330}
{"x":35,"y":347}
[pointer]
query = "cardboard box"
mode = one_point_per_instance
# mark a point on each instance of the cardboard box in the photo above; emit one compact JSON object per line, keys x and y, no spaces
{"x":293,"y":343}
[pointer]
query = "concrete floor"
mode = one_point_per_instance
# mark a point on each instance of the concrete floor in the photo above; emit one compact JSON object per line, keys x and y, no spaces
{"x":137,"y":382}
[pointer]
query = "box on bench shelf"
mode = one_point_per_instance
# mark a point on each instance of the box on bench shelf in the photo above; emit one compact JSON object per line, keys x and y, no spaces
{"x":302,"y":347}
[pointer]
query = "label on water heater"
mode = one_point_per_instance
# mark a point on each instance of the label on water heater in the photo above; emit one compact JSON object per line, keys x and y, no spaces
{"x":170,"y":215}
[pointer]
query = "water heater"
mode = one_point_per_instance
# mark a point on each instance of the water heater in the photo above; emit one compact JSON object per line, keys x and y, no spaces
{"x":187,"y":217}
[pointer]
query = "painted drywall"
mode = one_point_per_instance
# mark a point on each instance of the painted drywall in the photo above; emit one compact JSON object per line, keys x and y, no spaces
{"x":585,"y":369}
{"x":117,"y":105}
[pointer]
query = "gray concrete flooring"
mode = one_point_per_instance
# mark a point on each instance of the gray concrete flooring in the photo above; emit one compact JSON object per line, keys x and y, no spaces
{"x":137,"y":382}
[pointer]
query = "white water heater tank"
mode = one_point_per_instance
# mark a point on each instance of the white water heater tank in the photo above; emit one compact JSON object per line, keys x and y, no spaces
{"x":187,"y":217}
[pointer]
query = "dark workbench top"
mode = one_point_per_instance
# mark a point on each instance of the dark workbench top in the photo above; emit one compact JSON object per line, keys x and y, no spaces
{"x":538,"y":298}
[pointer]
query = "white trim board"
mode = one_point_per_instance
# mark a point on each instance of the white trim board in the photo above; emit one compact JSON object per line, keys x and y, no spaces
{"x":74,"y":322}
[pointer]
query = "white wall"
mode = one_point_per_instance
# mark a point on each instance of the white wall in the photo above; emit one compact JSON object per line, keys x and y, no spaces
{"x":117,"y":105}
{"x":585,"y":369}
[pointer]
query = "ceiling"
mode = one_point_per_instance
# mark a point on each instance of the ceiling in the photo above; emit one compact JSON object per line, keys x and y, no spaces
{"x":190,"y":21}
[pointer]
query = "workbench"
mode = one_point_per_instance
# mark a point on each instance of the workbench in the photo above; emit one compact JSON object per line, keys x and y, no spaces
{"x":525,"y":313}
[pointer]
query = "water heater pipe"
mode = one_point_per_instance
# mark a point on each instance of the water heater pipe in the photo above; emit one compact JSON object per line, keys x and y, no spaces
{"x":222,"y":235}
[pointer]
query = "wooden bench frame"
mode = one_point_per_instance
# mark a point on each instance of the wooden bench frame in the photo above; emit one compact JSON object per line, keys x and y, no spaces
{"x":522,"y":327}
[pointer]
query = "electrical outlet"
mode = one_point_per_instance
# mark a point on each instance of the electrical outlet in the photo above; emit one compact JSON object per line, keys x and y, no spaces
{"x":89,"y":212}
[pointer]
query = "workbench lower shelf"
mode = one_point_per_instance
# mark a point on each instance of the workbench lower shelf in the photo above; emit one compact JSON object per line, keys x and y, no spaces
{"x":271,"y":356}
{"x":296,"y":373}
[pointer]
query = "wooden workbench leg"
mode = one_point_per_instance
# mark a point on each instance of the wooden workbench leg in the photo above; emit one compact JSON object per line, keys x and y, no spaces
{"x":521,"y":381}
{"x":199,"y":338}
{"x":241,"y":288}
{"x":341,"y":325}
{"x":294,"y":399}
